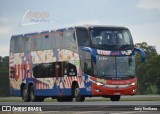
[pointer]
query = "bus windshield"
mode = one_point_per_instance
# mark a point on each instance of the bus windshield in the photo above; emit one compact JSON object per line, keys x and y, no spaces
{"x":114,"y":67}
{"x":109,"y":39}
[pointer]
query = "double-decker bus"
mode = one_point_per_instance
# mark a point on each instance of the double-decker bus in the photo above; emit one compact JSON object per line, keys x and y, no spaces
{"x":74,"y":62}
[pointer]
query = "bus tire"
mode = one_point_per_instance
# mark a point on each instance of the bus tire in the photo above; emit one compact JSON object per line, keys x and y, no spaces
{"x":25,"y":94}
{"x":115,"y":97}
{"x":33,"y":97}
{"x":76,"y":94}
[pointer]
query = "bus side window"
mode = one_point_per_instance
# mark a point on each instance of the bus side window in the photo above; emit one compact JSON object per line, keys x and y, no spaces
{"x":27,"y":43}
{"x":86,"y":62}
{"x":45,"y":70}
{"x":39,"y":43}
{"x":12,"y":46}
{"x":83,"y":38}
{"x":46,"y":41}
{"x":56,"y":39}
{"x":58,"y":69}
{"x":87,"y":66}
{"x":16,"y":44}
{"x":85,"y":58}
{"x":35,"y":42}
{"x":36,"y":70}
{"x":53,"y":39}
{"x":69,"y":40}
{"x":70,"y":69}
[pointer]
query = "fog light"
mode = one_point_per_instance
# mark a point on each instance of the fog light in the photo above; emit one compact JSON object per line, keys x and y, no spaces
{"x":133,"y":90}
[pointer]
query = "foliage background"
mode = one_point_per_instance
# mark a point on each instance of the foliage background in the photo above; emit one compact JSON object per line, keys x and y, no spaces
{"x":148,"y":73}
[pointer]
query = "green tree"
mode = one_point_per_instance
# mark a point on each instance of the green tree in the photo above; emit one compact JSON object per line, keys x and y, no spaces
{"x":0,"y":61}
{"x":4,"y":64}
{"x":4,"y":76}
{"x":148,"y":73}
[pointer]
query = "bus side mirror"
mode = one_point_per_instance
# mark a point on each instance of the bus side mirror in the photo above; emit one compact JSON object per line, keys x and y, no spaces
{"x":93,"y":58}
{"x":92,"y":51}
{"x":141,"y":52}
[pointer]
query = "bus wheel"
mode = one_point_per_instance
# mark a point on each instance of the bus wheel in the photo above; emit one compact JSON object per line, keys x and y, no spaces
{"x":115,"y":98}
{"x":77,"y":95}
{"x":33,"y":97}
{"x":25,"y":94}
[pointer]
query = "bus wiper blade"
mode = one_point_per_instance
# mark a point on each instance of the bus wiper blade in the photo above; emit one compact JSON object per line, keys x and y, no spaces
{"x":131,"y":76}
{"x":126,"y":46}
{"x":107,"y":75}
{"x":102,"y":76}
{"x":98,"y":76}
{"x":127,"y":75}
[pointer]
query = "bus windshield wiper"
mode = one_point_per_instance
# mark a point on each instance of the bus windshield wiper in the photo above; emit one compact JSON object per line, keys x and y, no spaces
{"x":98,"y":76}
{"x":131,"y":76}
{"x":127,"y":76}
{"x":126,"y":46}
{"x":107,"y":75}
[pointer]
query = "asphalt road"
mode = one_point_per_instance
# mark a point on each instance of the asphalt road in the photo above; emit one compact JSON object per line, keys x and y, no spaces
{"x":92,"y":107}
{"x":135,"y":96}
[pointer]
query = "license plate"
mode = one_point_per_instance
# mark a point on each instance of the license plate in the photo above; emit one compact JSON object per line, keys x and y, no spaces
{"x":117,"y":93}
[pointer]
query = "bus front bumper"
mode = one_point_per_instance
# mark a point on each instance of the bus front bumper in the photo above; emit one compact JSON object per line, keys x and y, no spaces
{"x":104,"y":90}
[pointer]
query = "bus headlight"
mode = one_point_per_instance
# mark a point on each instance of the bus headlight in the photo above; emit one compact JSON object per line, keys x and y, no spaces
{"x":134,"y":83}
{"x":99,"y":84}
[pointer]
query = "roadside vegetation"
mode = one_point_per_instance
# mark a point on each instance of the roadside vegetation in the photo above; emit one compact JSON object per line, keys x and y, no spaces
{"x":148,"y":73}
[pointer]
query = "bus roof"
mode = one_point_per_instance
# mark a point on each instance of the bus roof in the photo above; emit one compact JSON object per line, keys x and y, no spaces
{"x":87,"y":26}
{"x":101,"y":26}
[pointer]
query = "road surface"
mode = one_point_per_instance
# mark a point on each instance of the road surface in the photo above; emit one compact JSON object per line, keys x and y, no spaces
{"x":91,"y":107}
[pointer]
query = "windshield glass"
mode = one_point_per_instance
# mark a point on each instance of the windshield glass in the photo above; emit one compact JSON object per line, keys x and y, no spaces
{"x":111,"y":39}
{"x":114,"y":67}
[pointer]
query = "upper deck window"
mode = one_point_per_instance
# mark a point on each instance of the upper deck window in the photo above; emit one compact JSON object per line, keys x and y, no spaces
{"x":27,"y":44}
{"x":69,"y":40}
{"x":111,"y":38}
{"x":82,"y":36}
{"x":57,"y":37}
{"x":46,"y":41}
{"x":16,"y":44}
